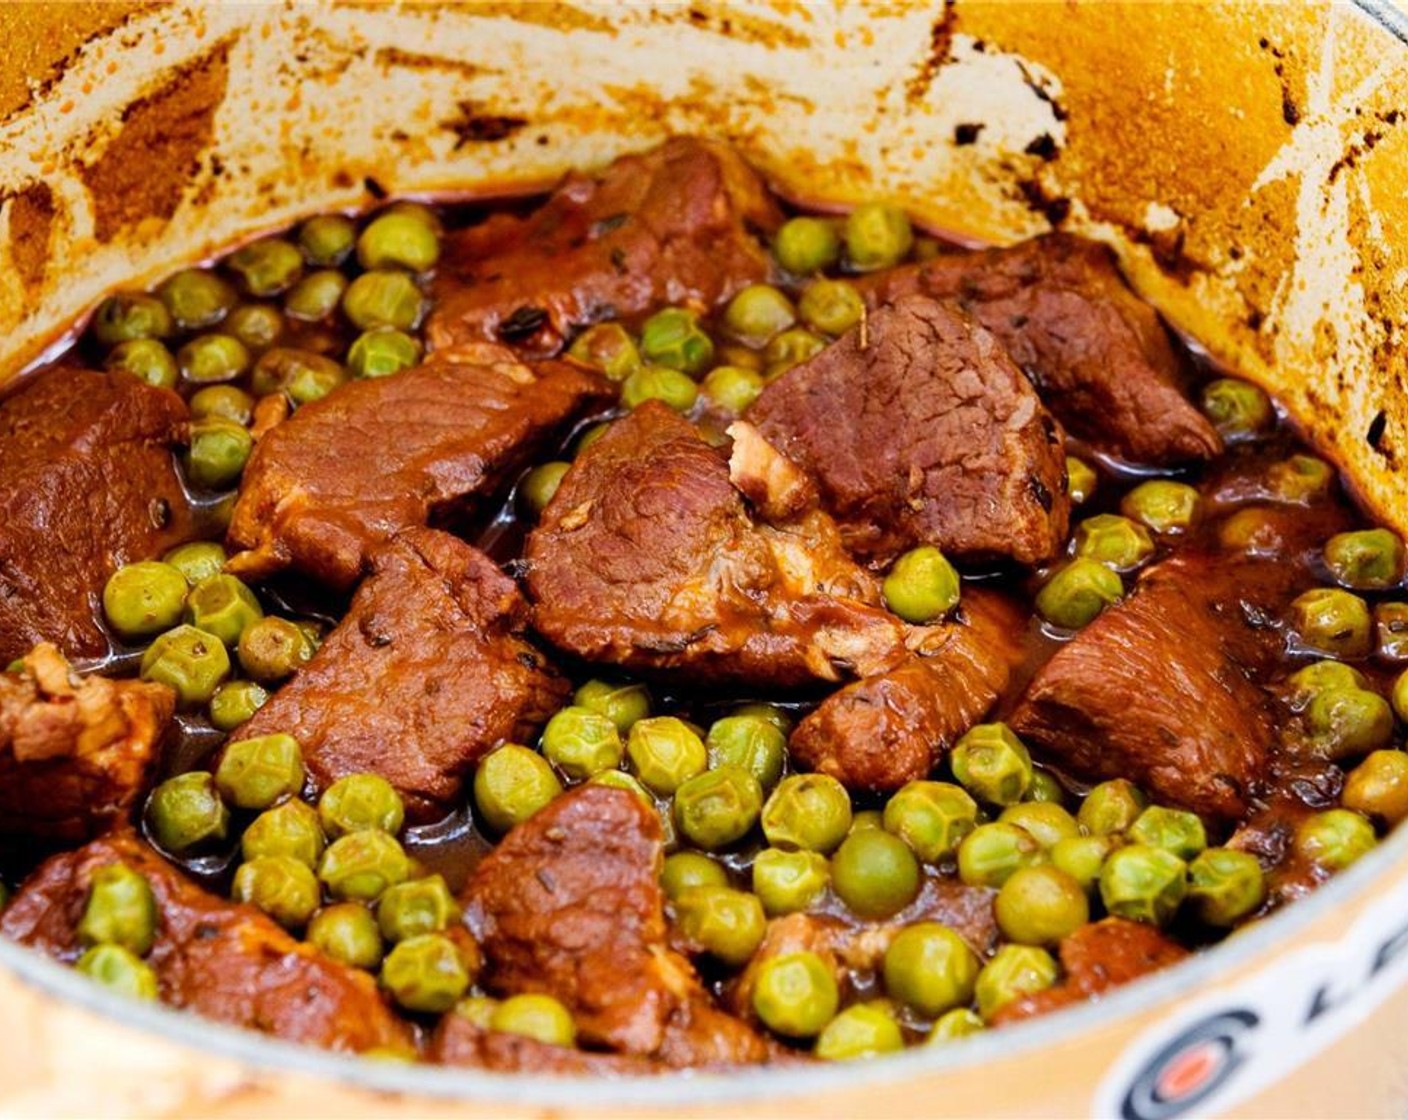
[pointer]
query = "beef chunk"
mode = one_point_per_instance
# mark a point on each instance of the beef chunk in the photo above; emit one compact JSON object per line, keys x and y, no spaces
{"x":459,"y":1042}
{"x":1096,"y":958}
{"x":569,"y":904}
{"x":428,"y":671}
{"x":75,"y":755}
{"x":1157,"y":690}
{"x":921,"y":430}
{"x":1097,"y":353}
{"x":87,"y":484}
{"x":345,"y":473}
{"x":649,"y":557}
{"x":883,"y":731}
{"x":677,"y":224}
{"x":220,"y":959}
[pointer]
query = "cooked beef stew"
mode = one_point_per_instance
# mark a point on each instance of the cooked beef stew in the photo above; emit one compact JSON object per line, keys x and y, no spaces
{"x":642,"y":630}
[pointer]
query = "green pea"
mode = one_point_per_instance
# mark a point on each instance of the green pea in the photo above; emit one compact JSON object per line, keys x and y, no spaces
{"x":580,"y":743}
{"x":539,"y":485}
{"x":1045,"y":789}
{"x":281,"y":886}
{"x":1117,"y":542}
{"x":1225,"y":886}
{"x":1081,"y":480}
{"x":416,"y":907}
{"x":290,"y":829}
{"x":991,"y":853}
{"x":479,"y":1010}
{"x":622,"y":704}
{"x":831,"y":306}
{"x":1301,"y":478}
{"x":875,"y":874}
{"x":346,"y":932}
{"x":953,"y":1025}
{"x":1334,"y":839}
{"x":1330,"y":621}
{"x":930,"y":968}
{"x":683,"y":871}
{"x":360,"y":866}
{"x":1111,"y":807}
{"x":1365,"y":560}
{"x":257,"y":325}
{"x":535,"y":1016}
{"x":922,"y":586}
{"x":863,"y":1030}
{"x":1040,"y":906}
{"x":119,"y":970}
{"x":327,"y":239}
{"x":425,"y":973}
{"x":806,"y":245}
{"x":383,"y":298}
{"x":144,"y":598}
{"x":770,"y":712}
{"x":608,"y":348}
{"x":189,"y":661}
{"x":197,"y":298}
{"x":218,"y":452}
{"x":732,"y":388}
{"x":758,"y":312}
{"x":1143,"y":884}
{"x":664,"y":753}
{"x":254,"y":773}
{"x":222,"y":605}
{"x":619,"y":779}
{"x":718,"y":807}
{"x":1345,"y":722}
{"x":129,"y":315}
{"x":272,"y":648}
{"x":223,"y":402}
{"x":210,"y":358}
{"x":674,"y":339}
{"x":1306,"y":683}
{"x":1391,"y":631}
{"x":511,"y":784}
{"x":186,"y":812}
{"x":866,"y":819}
{"x":381,"y":352}
{"x":932,"y":818}
{"x":145,"y":359}
{"x":751,"y":742}
{"x":659,"y":383}
{"x":1399,"y":696}
{"x":795,"y":994}
{"x":992,"y":764}
{"x":1048,"y":823}
{"x":1013,"y":972}
{"x":1173,"y":830}
{"x":1237,"y":409}
{"x":1163,"y":506}
{"x":1378,"y":787}
{"x":235,"y":703}
{"x":316,"y":296}
{"x":268,"y":267}
{"x":120,"y":910}
{"x":790,"y":348}
{"x":788,"y":882}
{"x":1082,"y":857}
{"x":1076,"y":594}
{"x":727,"y":924}
{"x":398,"y":240}
{"x":810,"y":812}
{"x":877,"y":236}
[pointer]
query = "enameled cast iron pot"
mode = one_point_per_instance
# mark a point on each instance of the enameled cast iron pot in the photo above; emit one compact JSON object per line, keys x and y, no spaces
{"x":1248,"y":163}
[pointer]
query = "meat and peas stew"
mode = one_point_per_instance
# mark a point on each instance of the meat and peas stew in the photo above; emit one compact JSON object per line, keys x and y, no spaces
{"x":644,"y":631}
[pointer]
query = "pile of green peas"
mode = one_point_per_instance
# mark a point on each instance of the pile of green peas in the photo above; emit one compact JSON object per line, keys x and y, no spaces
{"x":201,"y":627}
{"x":298,"y":314}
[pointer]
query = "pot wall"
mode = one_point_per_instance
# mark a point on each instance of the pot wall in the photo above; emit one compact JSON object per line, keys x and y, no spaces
{"x":1247,"y":163}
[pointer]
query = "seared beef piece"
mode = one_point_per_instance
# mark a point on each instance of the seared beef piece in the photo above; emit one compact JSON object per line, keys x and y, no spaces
{"x":679,"y":223}
{"x":1096,"y":958}
{"x":427,"y":671}
{"x":921,"y":430}
{"x":1157,"y":689}
{"x":569,"y":904}
{"x":87,"y":484}
{"x":1098,"y":355}
{"x":220,"y":959}
{"x":347,"y":472}
{"x":648,"y":557}
{"x":459,"y":1042}
{"x":879,"y":733}
{"x":75,"y":755}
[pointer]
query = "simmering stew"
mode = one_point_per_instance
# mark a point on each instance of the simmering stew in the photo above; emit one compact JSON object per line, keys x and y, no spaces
{"x":646,"y":629}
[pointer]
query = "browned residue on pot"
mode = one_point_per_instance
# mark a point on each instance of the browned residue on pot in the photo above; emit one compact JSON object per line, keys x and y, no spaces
{"x":32,"y":213}
{"x":146,"y":168}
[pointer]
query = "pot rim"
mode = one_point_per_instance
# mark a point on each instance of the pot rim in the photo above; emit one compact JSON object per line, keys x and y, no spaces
{"x":743,"y":1085}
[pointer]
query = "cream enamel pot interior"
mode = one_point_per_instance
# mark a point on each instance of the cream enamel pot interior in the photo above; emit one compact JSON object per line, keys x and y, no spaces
{"x":1249,"y":164}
